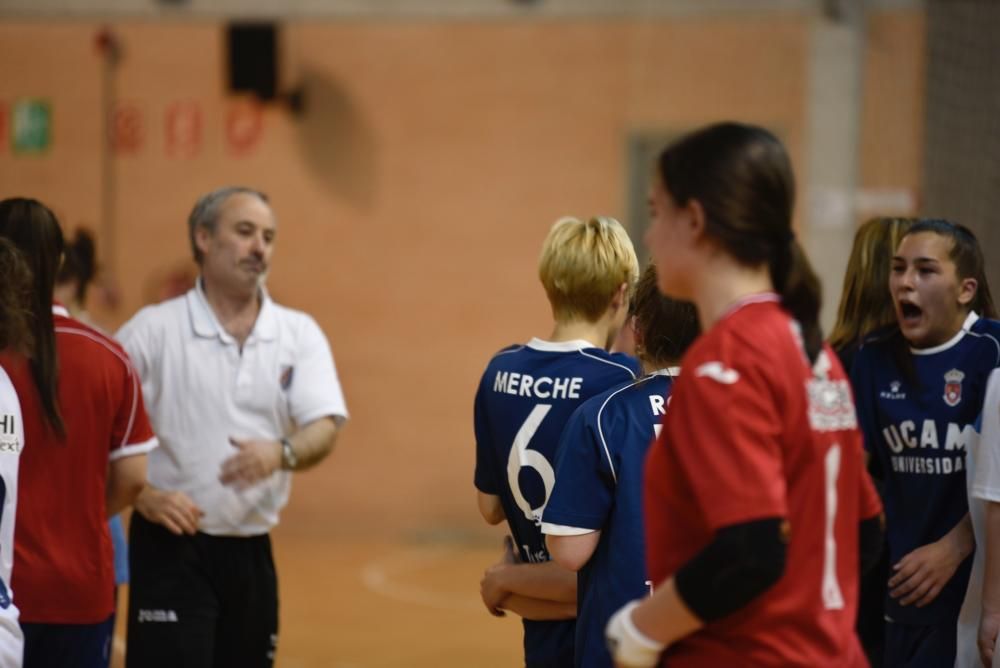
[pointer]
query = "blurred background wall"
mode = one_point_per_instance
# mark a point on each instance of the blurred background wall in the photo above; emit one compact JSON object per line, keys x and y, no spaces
{"x":435,"y":144}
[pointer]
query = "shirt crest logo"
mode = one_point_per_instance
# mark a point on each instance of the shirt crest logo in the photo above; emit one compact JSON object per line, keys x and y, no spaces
{"x":894,"y":391}
{"x":717,"y":372}
{"x":953,"y":387}
{"x":287,"y":373}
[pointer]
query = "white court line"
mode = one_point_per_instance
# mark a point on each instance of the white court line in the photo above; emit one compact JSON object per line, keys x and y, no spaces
{"x":381,"y":576}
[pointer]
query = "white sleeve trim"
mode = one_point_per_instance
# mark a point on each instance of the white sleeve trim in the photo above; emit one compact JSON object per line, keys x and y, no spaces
{"x":340,"y":416}
{"x":991,"y":494}
{"x":562,"y":530}
{"x":134,"y":449}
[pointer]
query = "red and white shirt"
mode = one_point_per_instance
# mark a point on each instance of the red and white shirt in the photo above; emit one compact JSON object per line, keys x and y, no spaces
{"x":64,"y":572}
{"x":753,"y":432}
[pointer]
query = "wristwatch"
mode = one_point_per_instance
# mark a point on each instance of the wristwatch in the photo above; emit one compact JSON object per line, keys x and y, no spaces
{"x":288,"y":458}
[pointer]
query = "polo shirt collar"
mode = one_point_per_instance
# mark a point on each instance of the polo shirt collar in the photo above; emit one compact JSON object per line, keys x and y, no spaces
{"x":205,"y":324}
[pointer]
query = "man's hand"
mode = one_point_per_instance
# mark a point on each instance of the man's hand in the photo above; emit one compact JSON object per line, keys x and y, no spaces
{"x":253,"y":461}
{"x":989,"y":626}
{"x":174,"y":510}
{"x":922,"y":574}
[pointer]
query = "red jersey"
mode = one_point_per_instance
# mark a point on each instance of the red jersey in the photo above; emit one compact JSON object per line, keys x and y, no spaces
{"x":63,"y":570}
{"x":754,"y":432}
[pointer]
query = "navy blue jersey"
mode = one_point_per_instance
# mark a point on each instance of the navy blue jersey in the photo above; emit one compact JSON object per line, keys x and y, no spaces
{"x":918,"y":429}
{"x":599,"y":487}
{"x":524,"y":400}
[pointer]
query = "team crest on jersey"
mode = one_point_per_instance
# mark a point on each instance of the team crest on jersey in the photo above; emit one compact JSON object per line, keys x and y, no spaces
{"x":830,"y":405}
{"x":286,"y":377}
{"x":953,"y":387}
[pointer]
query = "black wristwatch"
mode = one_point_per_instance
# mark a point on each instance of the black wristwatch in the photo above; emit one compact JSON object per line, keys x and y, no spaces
{"x":288,"y":458}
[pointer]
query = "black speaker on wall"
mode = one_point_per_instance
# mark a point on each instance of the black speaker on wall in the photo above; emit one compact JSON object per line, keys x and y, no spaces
{"x":253,"y":59}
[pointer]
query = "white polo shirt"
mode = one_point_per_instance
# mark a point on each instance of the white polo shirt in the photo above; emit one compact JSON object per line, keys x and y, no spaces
{"x":11,"y":443}
{"x":200,"y":390}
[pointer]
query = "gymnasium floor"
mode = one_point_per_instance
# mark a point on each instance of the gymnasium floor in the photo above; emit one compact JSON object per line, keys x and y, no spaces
{"x":375,"y":603}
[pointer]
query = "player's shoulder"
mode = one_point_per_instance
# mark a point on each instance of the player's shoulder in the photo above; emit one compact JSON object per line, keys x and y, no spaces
{"x":986,"y":331}
{"x":85,"y":350}
{"x":986,"y":326}
{"x":876,"y":345}
{"x":624,"y":397}
{"x":601,"y":361}
{"x":507,"y":356}
{"x":81,"y":334}
{"x":753,"y":336}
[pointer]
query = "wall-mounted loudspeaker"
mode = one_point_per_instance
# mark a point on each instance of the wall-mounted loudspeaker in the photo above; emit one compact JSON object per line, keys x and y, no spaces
{"x":253,"y":59}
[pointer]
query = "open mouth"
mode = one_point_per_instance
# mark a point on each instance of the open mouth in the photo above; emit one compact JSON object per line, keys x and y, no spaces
{"x":910,"y":312}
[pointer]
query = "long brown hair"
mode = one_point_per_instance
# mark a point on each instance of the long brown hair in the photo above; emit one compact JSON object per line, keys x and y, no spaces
{"x":34,"y":230}
{"x":15,"y":301}
{"x":742,"y":177}
{"x":865,"y":302}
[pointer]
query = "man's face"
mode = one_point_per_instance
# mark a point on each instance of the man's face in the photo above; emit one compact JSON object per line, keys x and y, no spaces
{"x":237,"y":253}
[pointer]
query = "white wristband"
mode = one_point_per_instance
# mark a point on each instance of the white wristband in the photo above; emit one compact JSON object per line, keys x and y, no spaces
{"x":628,"y":645}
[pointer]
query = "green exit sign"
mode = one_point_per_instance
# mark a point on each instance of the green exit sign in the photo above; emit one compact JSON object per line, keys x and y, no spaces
{"x":32,"y":126}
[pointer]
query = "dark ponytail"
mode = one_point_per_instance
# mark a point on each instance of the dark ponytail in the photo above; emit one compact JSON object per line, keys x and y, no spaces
{"x":34,"y":230}
{"x":742,"y":177}
{"x":801,"y":293}
{"x":79,"y":264}
{"x":15,"y":300}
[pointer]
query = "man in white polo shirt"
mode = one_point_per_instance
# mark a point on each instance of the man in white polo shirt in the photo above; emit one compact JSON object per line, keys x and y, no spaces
{"x":241,"y":392}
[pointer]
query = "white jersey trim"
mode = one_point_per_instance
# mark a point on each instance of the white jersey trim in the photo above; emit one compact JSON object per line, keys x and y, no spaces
{"x":563,"y":530}
{"x":559,"y":346}
{"x":601,"y":359}
{"x":986,"y":493}
{"x":600,"y":411}
{"x":134,"y":449}
{"x":970,"y":320}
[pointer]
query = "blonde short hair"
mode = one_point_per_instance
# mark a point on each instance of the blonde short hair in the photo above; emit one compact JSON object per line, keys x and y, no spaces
{"x":583,"y":263}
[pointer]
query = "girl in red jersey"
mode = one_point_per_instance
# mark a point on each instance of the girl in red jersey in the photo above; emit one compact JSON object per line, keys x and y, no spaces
{"x":756,"y":487}
{"x":86,"y":437}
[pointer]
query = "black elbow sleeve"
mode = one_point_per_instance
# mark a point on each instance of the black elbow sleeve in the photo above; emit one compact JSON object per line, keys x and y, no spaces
{"x":742,"y":562}
{"x":870,"y":539}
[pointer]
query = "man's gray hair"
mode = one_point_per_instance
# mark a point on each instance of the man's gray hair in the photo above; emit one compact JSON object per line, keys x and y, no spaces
{"x":206,"y":211}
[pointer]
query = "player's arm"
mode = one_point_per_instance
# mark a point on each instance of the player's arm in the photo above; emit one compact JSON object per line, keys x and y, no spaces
{"x":170,"y":508}
{"x":920,"y":576}
{"x":538,"y":610}
{"x":871,"y":529}
{"x":742,"y":562}
{"x":989,"y":623}
{"x":490,"y":508}
{"x":126,"y":478}
{"x":871,"y":536}
{"x":572,"y":552}
{"x":547,"y":581}
{"x":498,"y":599}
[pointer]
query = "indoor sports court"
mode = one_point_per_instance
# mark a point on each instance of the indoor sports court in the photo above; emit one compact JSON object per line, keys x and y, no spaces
{"x":416,"y":154}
